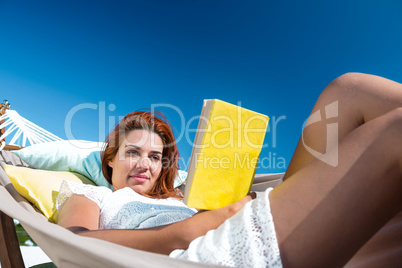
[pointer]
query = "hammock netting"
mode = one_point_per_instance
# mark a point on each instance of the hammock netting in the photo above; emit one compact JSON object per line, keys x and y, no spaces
{"x":22,"y":131}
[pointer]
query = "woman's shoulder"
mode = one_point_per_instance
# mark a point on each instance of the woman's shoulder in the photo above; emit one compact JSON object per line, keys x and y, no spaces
{"x":92,"y":192}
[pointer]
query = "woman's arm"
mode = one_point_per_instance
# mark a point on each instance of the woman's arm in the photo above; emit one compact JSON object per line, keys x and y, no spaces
{"x":79,"y":211}
{"x":81,"y":216}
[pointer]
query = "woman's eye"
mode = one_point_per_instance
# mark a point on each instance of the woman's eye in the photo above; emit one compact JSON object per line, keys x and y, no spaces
{"x":155,"y":158}
{"x":133,"y":153}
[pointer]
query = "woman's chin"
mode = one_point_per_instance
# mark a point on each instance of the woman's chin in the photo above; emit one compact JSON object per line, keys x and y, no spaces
{"x":139,"y":189}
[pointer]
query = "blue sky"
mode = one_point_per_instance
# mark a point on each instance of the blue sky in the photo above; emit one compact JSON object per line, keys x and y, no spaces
{"x":107,"y":58}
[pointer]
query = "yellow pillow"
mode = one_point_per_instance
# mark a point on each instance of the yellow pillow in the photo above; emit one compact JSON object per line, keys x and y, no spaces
{"x":41,"y":187}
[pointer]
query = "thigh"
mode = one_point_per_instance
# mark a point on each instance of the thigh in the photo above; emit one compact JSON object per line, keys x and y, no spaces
{"x":323,"y":214}
{"x":384,"y":249}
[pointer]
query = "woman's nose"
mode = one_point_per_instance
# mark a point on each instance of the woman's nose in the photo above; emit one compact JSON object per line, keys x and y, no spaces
{"x":144,"y":162}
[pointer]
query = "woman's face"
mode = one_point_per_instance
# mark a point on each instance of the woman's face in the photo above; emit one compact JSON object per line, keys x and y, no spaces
{"x":138,"y":161}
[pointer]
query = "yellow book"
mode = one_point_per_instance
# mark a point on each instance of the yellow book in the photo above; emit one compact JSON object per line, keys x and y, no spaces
{"x":225,"y":155}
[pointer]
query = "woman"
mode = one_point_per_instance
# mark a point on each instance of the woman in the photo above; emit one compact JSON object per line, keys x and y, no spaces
{"x":322,"y":213}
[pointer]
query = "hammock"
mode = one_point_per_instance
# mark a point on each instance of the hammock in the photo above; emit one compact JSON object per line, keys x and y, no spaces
{"x":25,"y":132}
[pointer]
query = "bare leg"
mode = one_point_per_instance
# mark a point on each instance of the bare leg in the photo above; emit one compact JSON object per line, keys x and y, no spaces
{"x":324,"y":214}
{"x":360,"y":97}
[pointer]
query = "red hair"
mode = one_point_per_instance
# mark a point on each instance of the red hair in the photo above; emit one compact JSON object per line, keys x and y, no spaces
{"x":159,"y":125}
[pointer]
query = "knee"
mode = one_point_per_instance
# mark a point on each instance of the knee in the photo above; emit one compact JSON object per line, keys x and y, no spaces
{"x":348,"y":85}
{"x":349,"y":78}
{"x":349,"y":81}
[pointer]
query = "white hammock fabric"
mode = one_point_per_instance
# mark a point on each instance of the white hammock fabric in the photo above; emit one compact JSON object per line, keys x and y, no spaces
{"x":24,"y":131}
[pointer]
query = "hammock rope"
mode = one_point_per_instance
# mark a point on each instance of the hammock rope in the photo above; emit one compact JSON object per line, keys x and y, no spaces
{"x":23,"y":130}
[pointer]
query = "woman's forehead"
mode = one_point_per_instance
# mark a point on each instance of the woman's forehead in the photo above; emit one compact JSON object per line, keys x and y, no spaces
{"x":141,"y":138}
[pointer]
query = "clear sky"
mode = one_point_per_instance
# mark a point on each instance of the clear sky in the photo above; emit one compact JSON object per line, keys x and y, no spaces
{"x":75,"y":67}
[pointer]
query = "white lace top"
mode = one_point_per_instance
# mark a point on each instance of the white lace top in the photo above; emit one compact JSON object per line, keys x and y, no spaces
{"x":126,"y":209}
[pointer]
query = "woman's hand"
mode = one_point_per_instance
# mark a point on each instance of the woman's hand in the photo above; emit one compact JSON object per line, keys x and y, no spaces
{"x":207,"y":220}
{"x":230,"y":210}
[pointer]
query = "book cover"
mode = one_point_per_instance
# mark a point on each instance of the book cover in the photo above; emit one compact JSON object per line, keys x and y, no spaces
{"x":225,"y":155}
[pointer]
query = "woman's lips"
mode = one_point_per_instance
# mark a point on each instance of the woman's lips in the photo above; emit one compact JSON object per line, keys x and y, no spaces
{"x":139,"y":178}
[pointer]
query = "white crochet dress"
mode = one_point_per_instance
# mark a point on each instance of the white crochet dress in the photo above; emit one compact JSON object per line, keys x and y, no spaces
{"x":247,"y":239}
